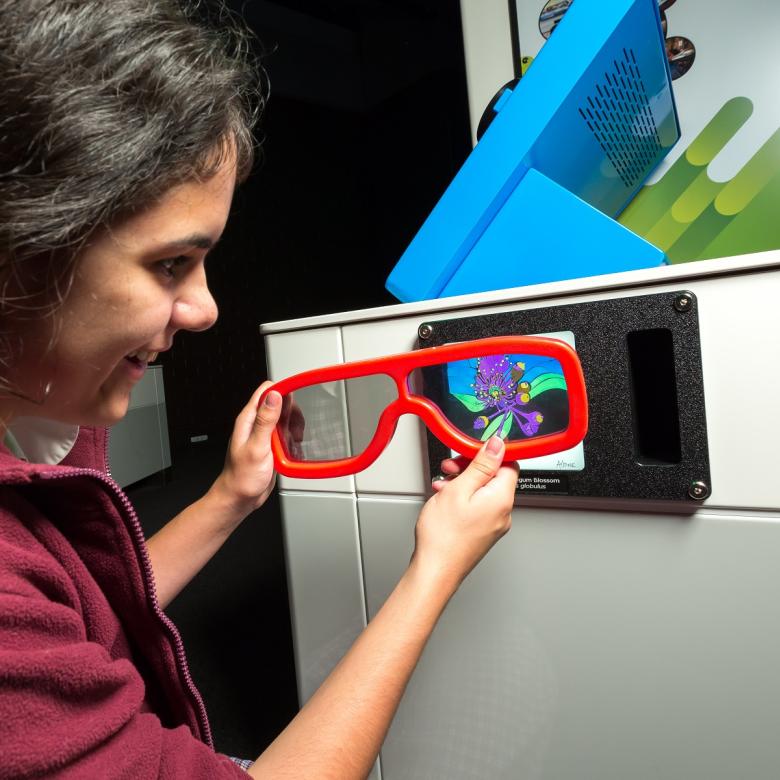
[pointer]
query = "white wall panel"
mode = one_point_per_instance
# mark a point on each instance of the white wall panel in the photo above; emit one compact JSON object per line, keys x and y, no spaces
{"x":325,"y":582}
{"x":487,"y":47}
{"x":739,"y":320}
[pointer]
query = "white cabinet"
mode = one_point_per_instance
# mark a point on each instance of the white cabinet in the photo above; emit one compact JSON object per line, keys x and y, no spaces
{"x":138,"y":445}
{"x":602,"y":638}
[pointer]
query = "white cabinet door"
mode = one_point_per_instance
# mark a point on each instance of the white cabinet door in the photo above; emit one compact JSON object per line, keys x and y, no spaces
{"x":593,"y":645}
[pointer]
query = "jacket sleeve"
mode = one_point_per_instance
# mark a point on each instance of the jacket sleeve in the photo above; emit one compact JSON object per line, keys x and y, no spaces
{"x":67,"y":708}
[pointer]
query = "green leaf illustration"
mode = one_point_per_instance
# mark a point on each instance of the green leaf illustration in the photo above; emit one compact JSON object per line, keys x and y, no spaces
{"x":493,"y":427}
{"x":470,"y":402}
{"x":545,"y":382}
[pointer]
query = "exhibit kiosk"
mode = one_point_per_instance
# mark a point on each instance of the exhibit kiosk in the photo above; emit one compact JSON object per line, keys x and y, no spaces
{"x":627,"y":626}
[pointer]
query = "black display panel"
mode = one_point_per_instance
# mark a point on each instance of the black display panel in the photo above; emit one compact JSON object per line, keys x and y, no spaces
{"x":641,"y":357}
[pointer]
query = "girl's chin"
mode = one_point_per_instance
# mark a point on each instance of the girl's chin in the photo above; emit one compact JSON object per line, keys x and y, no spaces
{"x":114,"y":410}
{"x":109,"y":408}
{"x":114,"y":396}
{"x":102,"y":417}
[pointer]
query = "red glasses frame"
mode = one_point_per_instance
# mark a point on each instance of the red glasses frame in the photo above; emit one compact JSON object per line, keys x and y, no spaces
{"x":399,"y":367}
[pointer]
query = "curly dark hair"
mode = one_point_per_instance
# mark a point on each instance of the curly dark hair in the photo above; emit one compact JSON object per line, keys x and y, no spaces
{"x":104,"y":106}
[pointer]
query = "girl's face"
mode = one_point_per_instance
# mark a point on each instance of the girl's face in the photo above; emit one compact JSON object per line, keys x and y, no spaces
{"x":135,"y":286}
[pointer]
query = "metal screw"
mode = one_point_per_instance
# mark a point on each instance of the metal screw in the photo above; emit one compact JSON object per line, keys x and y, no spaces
{"x":684,"y":302}
{"x":425,"y":331}
{"x":699,"y":490}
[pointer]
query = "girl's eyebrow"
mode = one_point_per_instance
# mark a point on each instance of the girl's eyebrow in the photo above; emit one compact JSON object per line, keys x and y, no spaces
{"x":197,"y":240}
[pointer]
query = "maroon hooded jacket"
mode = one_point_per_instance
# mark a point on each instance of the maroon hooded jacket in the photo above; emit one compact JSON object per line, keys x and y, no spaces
{"x":93,"y":678}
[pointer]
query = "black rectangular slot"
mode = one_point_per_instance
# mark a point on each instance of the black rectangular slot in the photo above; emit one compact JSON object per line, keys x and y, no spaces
{"x":654,"y":397}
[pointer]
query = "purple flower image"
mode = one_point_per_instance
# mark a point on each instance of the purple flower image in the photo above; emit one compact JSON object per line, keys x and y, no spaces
{"x":499,"y":388}
{"x":481,"y":422}
{"x":503,"y":395}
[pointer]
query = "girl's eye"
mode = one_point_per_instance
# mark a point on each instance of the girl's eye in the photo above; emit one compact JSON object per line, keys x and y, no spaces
{"x":169,"y":265}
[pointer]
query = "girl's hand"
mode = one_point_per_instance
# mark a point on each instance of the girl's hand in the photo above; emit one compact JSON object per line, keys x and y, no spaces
{"x":450,"y":467}
{"x":466,"y":516}
{"x":248,"y":476}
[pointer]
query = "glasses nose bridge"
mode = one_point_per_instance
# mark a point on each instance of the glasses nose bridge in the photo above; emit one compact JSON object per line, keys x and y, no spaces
{"x":417,"y":403}
{"x":420,"y":407}
{"x":403,"y":378}
{"x":398,"y":405}
{"x":400,"y":375}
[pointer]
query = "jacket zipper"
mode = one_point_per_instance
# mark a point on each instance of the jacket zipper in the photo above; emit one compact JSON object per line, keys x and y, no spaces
{"x":146,"y":568}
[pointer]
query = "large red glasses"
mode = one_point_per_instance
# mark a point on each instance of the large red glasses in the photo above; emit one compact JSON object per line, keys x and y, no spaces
{"x":529,"y":390}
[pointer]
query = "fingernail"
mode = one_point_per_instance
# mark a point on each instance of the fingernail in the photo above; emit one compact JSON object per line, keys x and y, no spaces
{"x":272,"y":399}
{"x":494,"y":445}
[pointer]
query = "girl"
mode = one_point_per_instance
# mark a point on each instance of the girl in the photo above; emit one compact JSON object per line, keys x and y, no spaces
{"x":124,"y":128}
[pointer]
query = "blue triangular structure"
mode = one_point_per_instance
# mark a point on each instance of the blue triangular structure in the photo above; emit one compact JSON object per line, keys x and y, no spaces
{"x":544,"y":233}
{"x":586,"y":125}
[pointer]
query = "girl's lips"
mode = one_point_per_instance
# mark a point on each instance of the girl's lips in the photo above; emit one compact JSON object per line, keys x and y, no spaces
{"x":135,"y":366}
{"x":144,"y":355}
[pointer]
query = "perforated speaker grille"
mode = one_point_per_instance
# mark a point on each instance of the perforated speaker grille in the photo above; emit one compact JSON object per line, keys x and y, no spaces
{"x":619,"y":116}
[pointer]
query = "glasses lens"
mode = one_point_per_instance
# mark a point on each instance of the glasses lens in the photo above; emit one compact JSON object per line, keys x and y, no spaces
{"x":334,"y":420}
{"x":515,"y":397}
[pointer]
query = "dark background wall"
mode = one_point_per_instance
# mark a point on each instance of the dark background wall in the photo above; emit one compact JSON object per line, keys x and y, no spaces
{"x":366,"y":125}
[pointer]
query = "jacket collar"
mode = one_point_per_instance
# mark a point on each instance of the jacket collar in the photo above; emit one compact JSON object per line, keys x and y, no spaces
{"x":89,"y":451}
{"x":42,"y":441}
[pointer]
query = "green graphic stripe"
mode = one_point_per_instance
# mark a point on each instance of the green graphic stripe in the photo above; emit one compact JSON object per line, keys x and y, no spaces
{"x":691,"y":217}
{"x":697,"y":235}
{"x":719,"y":131}
{"x":665,"y":232}
{"x":755,"y":229}
{"x":691,"y":204}
{"x":653,"y":201}
{"x":753,"y":177}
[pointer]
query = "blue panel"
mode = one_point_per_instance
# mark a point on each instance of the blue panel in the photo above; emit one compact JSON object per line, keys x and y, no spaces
{"x":595,"y":113}
{"x":544,"y":233}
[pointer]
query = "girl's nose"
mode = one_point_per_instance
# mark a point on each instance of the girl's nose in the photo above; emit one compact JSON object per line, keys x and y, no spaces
{"x":195,"y":309}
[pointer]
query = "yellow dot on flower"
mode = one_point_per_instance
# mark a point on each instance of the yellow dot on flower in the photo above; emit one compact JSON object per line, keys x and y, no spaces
{"x":539,"y":418}
{"x":525,"y":398}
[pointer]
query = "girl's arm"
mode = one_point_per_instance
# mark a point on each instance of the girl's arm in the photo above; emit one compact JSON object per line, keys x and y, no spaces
{"x":339,"y":731}
{"x":181,"y":548}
